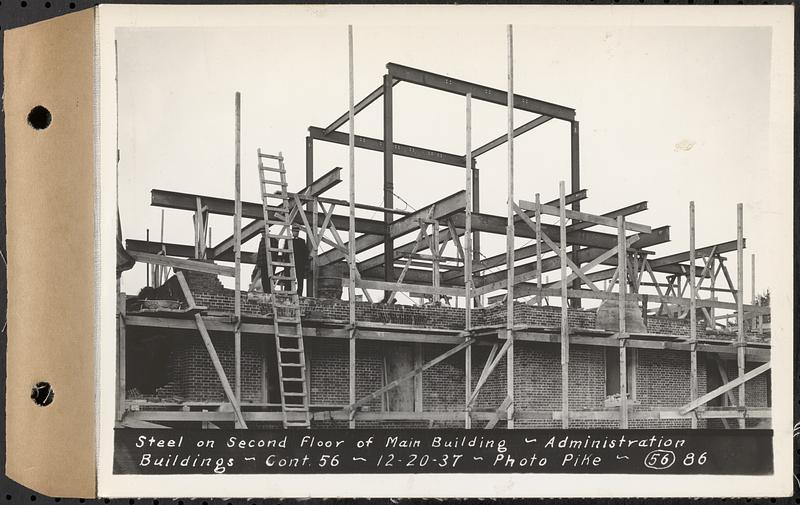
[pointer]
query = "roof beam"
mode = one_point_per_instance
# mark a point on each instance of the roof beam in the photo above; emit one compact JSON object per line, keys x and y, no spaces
{"x":444,"y":235}
{"x":530,"y":251}
{"x":583,"y":216}
{"x":673,"y":259}
{"x":363,"y":104}
{"x":224,"y":207}
{"x":180,"y":250}
{"x":373,"y":144}
{"x":443,"y":208}
{"x":479,"y":92}
{"x":497,"y":225}
{"x":502,"y":139}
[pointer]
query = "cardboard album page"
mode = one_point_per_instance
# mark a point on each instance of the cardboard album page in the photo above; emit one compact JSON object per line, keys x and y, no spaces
{"x":417,"y":251}
{"x":49,"y":104}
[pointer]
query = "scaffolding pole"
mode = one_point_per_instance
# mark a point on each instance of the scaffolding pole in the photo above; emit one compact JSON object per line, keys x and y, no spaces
{"x":562,"y":225}
{"x":538,"y":231}
{"x":468,"y":262}
{"x":510,"y":235}
{"x":622,"y":255}
{"x":237,"y":255}
{"x":351,"y":250}
{"x":740,"y":342}
{"x":692,"y":314}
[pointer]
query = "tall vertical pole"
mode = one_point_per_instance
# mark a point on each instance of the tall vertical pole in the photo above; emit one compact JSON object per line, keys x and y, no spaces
{"x":575,"y":184}
{"x":388,"y":180}
{"x":435,"y":253}
{"x":562,"y":225}
{"x":510,"y":234}
{"x":539,"y":251}
{"x":468,"y":283}
{"x":352,"y":234}
{"x":237,"y":254}
{"x":740,"y":342}
{"x":753,"y":298}
{"x":312,"y":206}
{"x":692,"y":315}
{"x":622,"y":262}
{"x":476,"y":208}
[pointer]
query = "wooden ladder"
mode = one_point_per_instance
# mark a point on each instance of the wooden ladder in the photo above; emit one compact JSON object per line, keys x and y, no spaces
{"x":288,"y":327}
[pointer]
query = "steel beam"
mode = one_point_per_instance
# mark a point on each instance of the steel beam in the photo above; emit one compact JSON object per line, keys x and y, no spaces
{"x":724,"y":247}
{"x":363,"y":104}
{"x":502,"y":139}
{"x":373,"y":144}
{"x":251,"y":210}
{"x":479,"y":92}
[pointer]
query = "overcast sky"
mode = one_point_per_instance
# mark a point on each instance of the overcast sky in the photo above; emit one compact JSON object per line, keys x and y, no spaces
{"x":667,"y":115}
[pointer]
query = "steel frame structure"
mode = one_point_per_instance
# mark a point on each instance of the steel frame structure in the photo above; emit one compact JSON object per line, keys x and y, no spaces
{"x":576,"y":250}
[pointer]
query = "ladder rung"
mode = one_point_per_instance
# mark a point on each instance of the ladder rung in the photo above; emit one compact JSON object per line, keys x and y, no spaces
{"x":271,"y":169}
{"x":270,"y":156}
{"x":293,"y":394}
{"x":294,"y":379}
{"x":283,"y":264}
{"x":296,"y":409}
{"x":272,"y":181}
{"x":289,"y":349}
{"x":278,"y":235}
{"x":278,"y":223}
{"x":294,"y":365}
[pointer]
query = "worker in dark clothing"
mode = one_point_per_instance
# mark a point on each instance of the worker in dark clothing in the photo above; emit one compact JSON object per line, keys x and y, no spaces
{"x":261,"y":261}
{"x":300,"y":249}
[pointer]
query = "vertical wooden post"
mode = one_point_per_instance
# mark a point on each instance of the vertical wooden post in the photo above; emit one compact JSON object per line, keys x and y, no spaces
{"x":622,"y":262}
{"x":562,"y":227}
{"x":388,"y":180}
{"x":312,"y":288}
{"x":237,"y":254}
{"x":476,"y":208}
{"x":468,"y":283}
{"x":435,"y":253}
{"x":510,"y":235}
{"x":692,"y":314}
{"x":712,"y":268}
{"x":264,"y":371}
{"x":351,"y":259}
{"x":758,"y":323}
{"x":312,"y":206}
{"x":147,"y":266}
{"x":538,"y":251}
{"x":740,"y":342}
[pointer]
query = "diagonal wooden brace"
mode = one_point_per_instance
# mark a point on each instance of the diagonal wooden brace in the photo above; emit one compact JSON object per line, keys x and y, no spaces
{"x":201,"y":326}
{"x":725,"y":388}
{"x":410,"y":375}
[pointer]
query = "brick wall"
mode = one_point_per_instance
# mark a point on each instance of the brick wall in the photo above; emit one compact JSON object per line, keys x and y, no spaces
{"x":662,"y":377}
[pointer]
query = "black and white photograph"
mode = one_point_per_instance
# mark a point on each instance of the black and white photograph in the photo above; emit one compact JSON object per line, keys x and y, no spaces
{"x":454,"y":241}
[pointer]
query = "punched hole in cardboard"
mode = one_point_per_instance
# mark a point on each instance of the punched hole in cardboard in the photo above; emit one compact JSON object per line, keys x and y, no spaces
{"x":42,"y":394}
{"x":39,"y":118}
